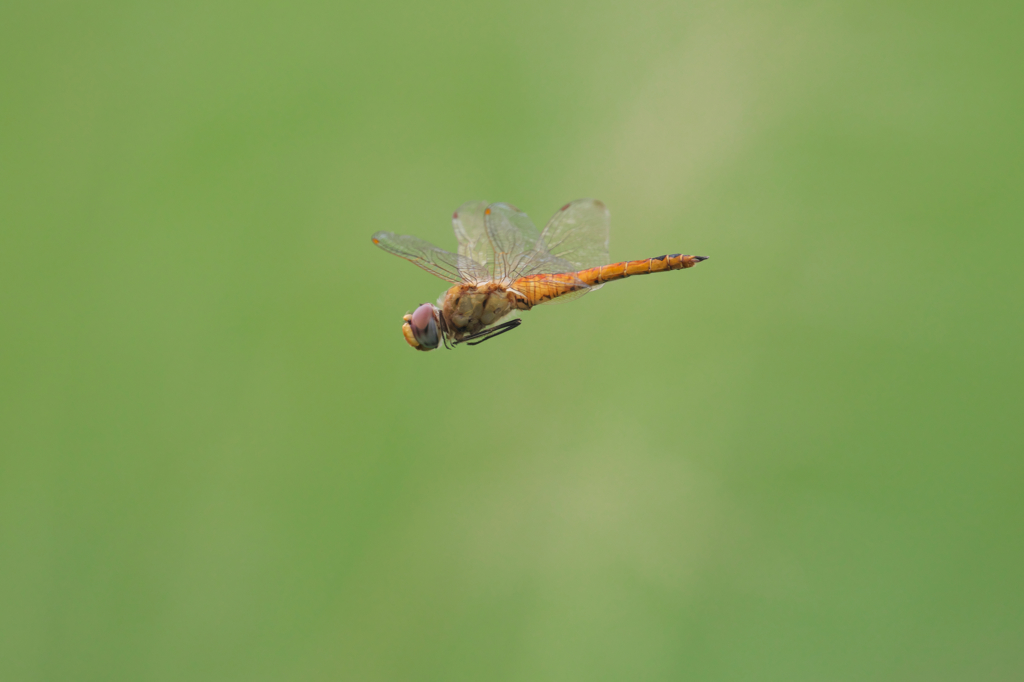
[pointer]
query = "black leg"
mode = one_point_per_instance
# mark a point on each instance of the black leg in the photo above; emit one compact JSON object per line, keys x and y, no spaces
{"x":491,"y":333}
{"x":491,"y":330}
{"x":498,"y":331}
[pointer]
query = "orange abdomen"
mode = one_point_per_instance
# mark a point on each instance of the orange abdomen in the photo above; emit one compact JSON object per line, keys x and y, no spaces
{"x":542,"y":288}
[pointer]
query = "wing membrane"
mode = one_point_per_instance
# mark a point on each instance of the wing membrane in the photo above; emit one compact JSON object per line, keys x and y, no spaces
{"x":514,"y":239}
{"x":444,"y":264}
{"x":575,"y":238}
{"x":499,"y":242}
{"x":471,"y":233}
{"x":542,"y":262}
{"x":578,"y":233}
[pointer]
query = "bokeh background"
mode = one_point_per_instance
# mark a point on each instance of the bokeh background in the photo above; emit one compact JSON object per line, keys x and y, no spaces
{"x":799,"y":461}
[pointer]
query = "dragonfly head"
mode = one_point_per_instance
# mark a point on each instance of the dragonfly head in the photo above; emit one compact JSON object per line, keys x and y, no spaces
{"x":422,"y":328}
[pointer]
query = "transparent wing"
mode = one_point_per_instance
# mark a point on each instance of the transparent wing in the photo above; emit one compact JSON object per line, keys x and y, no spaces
{"x":542,"y":262}
{"x":471,"y":233}
{"x":578,"y":234}
{"x":444,"y":264}
{"x":514,"y":240}
{"x":506,"y":245}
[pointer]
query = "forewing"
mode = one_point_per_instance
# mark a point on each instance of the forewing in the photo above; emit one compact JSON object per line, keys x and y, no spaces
{"x":471,"y":233}
{"x":445,"y":264}
{"x":578,"y":234}
{"x":542,"y":262}
{"x":514,"y":240}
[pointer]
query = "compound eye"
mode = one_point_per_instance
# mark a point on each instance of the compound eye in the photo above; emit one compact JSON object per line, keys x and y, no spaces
{"x":424,"y":326}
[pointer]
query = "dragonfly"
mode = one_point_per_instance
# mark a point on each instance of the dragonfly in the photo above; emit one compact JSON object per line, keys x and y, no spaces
{"x":505,"y":265}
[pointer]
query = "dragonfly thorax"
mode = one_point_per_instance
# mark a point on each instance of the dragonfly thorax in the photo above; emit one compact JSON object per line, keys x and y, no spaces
{"x":469,"y":308}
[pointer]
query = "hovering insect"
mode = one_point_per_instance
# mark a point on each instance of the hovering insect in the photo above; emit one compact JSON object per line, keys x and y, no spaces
{"x":504,"y":265}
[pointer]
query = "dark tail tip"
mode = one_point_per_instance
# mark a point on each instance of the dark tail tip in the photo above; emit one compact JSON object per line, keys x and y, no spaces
{"x":700,"y":258}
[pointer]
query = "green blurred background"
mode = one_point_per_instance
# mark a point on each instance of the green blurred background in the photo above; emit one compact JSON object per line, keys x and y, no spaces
{"x":799,"y":461}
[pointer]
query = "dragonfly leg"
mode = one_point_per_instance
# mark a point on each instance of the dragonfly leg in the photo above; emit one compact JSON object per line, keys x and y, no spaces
{"x":495,"y":331}
{"x":491,"y":330}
